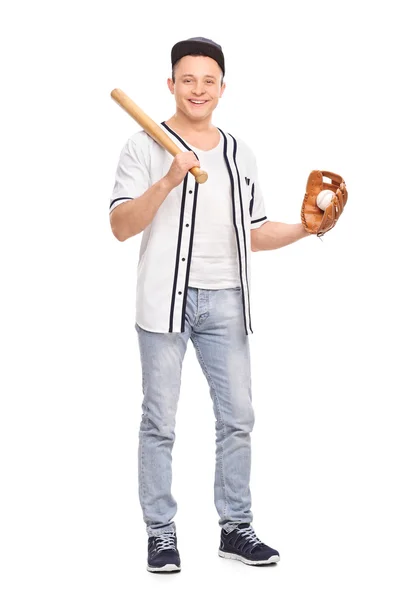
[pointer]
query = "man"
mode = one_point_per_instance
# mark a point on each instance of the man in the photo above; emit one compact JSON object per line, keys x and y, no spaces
{"x":194,"y":283}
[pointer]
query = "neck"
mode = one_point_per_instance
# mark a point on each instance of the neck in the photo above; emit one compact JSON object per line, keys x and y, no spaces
{"x":182,"y":124}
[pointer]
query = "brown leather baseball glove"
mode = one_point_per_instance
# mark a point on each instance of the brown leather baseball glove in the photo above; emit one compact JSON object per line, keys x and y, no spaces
{"x":313,"y":218}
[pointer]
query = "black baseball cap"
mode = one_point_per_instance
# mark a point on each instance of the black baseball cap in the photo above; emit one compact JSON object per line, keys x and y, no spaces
{"x":198,"y":45}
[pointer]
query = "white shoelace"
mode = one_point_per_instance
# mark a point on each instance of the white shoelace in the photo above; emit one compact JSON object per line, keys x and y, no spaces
{"x":165,"y":541}
{"x":250,"y":535}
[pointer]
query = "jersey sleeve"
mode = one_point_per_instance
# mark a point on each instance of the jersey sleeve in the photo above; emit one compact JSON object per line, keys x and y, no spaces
{"x":257,"y":207}
{"x":132,"y":177}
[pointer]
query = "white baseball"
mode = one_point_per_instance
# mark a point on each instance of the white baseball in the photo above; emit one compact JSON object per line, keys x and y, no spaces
{"x":324,"y":199}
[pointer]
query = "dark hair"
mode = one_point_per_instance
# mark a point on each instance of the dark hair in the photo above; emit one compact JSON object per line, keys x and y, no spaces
{"x":197,"y":54}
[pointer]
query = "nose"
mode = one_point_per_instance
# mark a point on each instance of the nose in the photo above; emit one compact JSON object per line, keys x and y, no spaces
{"x":198,"y":88}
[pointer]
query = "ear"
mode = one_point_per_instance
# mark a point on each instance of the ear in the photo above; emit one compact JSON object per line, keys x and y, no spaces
{"x":222,"y":89}
{"x":171,"y":85}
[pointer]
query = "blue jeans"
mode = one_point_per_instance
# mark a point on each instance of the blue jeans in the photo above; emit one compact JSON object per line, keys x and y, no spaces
{"x":214,"y":323}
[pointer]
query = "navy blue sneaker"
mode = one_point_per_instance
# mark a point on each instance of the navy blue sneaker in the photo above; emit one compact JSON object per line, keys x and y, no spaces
{"x":163,"y":553}
{"x":243,"y":544}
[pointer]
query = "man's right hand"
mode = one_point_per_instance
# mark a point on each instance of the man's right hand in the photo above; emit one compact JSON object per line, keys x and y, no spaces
{"x":182,"y":163}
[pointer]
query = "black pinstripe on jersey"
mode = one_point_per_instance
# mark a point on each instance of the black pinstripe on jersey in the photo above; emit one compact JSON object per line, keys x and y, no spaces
{"x":178,"y":246}
{"x":123,"y":198}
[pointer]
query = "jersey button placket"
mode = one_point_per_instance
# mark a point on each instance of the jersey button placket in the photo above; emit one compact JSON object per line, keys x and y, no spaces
{"x":183,"y":259}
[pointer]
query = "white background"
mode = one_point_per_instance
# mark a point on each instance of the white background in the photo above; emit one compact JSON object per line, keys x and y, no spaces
{"x":310,"y":85}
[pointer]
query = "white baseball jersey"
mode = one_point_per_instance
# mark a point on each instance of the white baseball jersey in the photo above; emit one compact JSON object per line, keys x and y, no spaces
{"x":163,"y":270}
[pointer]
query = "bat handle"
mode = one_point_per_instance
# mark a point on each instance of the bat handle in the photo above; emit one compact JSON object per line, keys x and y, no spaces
{"x":199,"y":175}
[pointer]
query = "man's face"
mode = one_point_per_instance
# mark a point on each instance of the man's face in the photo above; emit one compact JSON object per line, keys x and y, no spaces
{"x":197,"y":78}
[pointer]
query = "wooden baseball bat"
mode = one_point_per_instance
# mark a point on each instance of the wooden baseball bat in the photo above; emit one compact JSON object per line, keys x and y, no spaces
{"x":154,"y":130}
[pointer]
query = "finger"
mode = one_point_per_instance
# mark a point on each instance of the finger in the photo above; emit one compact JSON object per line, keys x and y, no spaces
{"x":344,"y":192}
{"x":340,"y":201}
{"x":328,"y":220}
{"x":337,"y":208}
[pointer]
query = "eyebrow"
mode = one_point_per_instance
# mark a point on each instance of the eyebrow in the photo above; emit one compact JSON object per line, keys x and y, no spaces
{"x":191,"y":75}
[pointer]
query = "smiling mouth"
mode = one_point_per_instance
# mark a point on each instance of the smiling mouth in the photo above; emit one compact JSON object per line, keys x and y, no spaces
{"x":198,"y":102}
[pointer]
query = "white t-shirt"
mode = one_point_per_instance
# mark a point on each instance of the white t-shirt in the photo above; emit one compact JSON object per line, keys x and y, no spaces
{"x":214,"y":262}
{"x":168,"y":242}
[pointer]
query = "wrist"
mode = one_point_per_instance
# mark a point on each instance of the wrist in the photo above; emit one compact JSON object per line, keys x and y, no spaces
{"x":304,"y":233}
{"x":166,"y":184}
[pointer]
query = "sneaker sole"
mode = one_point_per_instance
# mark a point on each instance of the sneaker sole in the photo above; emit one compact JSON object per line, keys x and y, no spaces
{"x":270,"y":560}
{"x":166,"y":568}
